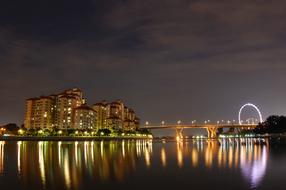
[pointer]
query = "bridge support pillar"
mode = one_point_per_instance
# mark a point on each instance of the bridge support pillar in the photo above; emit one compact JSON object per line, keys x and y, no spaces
{"x":212,"y":132}
{"x":179,"y":132}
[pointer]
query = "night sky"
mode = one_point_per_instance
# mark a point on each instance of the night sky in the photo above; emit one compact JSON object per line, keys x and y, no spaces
{"x":167,"y":59}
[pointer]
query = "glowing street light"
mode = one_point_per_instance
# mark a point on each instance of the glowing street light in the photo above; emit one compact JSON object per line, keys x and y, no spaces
{"x":179,"y":122}
{"x":146,"y":123}
{"x":163,"y":122}
{"x":21,"y":131}
{"x":207,"y":121}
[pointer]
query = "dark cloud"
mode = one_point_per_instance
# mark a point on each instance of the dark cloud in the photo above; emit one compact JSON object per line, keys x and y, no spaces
{"x":169,"y":59}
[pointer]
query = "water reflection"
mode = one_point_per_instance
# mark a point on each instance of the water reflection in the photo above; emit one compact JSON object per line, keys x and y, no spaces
{"x":2,"y":143}
{"x":163,"y":157}
{"x":248,"y":154}
{"x":69,"y":162}
{"x":254,"y":168}
{"x":69,"y":165}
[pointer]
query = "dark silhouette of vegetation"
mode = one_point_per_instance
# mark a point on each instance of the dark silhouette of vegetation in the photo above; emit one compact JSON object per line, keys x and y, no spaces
{"x":32,"y":132}
{"x":273,"y":125}
{"x":10,"y":128}
{"x":220,"y":131}
{"x":231,"y":130}
{"x":103,"y":132}
{"x":144,"y":131}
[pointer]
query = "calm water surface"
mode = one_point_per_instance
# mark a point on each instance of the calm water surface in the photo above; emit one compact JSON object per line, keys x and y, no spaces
{"x":199,"y":164}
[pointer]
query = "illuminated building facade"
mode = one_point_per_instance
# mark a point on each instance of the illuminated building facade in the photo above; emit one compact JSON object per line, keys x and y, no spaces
{"x":68,"y":110}
{"x":53,"y":110}
{"x":84,"y":117}
{"x":115,"y":115}
{"x":66,"y":102}
{"x":39,"y":112}
{"x":101,"y":114}
{"x":131,"y":122}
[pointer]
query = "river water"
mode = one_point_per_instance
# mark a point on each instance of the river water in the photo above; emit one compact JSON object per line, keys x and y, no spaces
{"x":194,"y":164}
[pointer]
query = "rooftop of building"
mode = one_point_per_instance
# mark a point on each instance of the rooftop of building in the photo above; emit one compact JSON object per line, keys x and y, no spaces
{"x":40,"y":97}
{"x":75,"y":89}
{"x":84,"y":107}
{"x":65,"y":92}
{"x":71,"y":96}
{"x":100,"y":104}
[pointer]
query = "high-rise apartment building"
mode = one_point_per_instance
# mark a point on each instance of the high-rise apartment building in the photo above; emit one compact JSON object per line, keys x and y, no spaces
{"x":101,"y":114}
{"x":39,"y":112}
{"x":115,"y":115}
{"x":68,"y":110}
{"x":84,"y":118}
{"x":54,"y":110}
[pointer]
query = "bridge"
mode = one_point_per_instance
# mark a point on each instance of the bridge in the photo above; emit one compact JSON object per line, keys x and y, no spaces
{"x":211,"y":128}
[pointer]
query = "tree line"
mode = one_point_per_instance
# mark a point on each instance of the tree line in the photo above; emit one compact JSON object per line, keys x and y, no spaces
{"x":273,"y":125}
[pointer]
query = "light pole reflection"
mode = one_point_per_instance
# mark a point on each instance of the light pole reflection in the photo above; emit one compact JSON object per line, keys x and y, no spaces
{"x":19,"y":147}
{"x":195,"y":157}
{"x":180,"y":154}
{"x":2,"y":152}
{"x":42,"y":161}
{"x":163,"y":157}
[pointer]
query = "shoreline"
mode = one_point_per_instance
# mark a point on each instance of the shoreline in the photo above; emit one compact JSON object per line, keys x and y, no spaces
{"x":31,"y":138}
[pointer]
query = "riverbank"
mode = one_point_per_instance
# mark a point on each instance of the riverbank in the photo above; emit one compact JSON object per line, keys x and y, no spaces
{"x":66,"y":138}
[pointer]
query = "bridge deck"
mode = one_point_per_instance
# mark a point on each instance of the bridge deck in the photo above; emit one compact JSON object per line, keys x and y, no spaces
{"x":199,"y":126}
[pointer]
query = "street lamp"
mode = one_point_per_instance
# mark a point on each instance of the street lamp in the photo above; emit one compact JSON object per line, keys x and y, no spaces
{"x":179,"y":122}
{"x":163,"y":122}
{"x":146,"y":123}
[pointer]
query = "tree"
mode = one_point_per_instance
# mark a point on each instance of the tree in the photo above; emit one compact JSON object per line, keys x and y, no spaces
{"x":144,"y":131}
{"x":103,"y":132}
{"x":220,"y":130}
{"x":273,"y":124}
